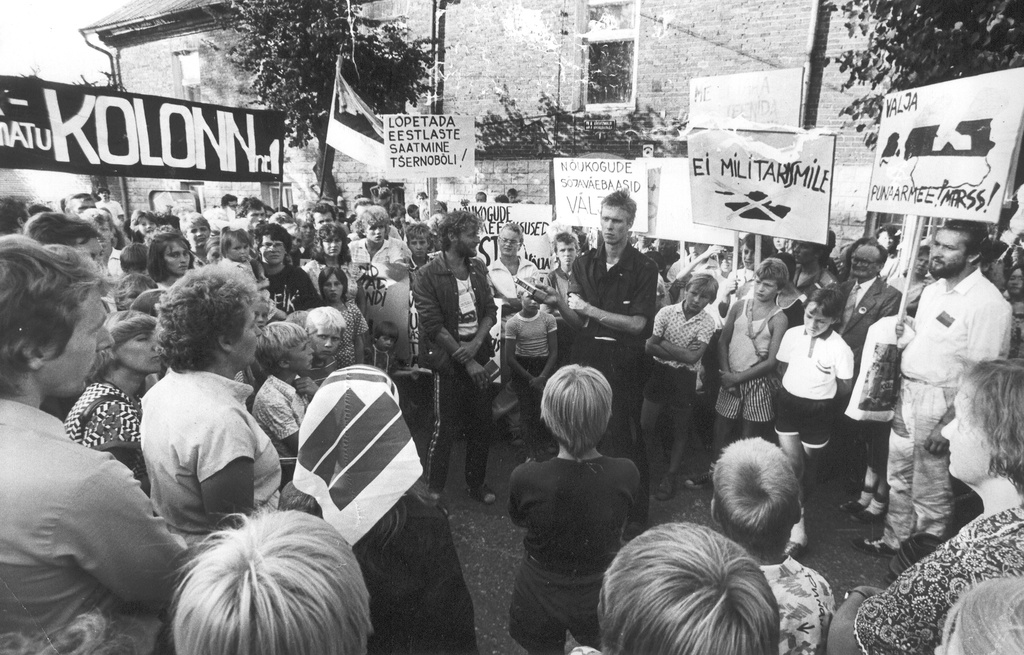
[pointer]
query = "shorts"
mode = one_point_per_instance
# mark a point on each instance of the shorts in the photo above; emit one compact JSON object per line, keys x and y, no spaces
{"x":672,"y":385}
{"x":811,"y":419}
{"x":753,"y":399}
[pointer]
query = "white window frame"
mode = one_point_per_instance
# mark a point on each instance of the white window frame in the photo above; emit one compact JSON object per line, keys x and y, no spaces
{"x":608,"y":36}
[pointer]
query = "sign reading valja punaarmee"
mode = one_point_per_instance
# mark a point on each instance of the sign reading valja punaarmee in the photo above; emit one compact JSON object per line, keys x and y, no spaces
{"x":97,"y":131}
{"x":773,"y":183}
{"x":429,"y":145}
{"x":949,"y":150}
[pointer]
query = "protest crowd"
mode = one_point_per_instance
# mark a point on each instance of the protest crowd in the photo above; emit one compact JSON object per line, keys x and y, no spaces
{"x":209,"y":445}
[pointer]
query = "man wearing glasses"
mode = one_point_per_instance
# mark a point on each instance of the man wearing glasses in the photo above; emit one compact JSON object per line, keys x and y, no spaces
{"x":290,"y":287}
{"x":509,"y":267}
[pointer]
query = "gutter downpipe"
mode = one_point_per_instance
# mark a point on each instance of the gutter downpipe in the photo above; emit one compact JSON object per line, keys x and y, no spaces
{"x":115,"y":76}
{"x":812,"y":32}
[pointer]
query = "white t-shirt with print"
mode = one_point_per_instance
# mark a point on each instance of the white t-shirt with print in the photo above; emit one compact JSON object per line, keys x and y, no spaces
{"x":814,"y":368}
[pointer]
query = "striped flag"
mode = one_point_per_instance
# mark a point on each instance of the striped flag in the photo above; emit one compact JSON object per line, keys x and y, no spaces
{"x":353,"y":129}
{"x":356,"y":455}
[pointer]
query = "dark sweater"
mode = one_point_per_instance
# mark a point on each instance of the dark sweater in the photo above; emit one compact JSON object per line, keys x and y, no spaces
{"x":574,"y":512}
{"x":292,"y":290}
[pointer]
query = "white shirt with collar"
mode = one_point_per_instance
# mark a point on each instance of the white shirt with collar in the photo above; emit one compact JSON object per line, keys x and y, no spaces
{"x":954,"y":327}
{"x":503,"y":282}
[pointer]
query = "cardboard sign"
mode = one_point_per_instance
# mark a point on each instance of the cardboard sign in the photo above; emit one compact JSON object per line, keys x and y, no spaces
{"x":535,"y":221}
{"x":95,"y":131}
{"x":669,"y":207}
{"x":388,"y":300}
{"x":581,"y":185}
{"x":773,"y":183}
{"x":428,"y":145}
{"x":768,"y":97}
{"x":950,"y":149}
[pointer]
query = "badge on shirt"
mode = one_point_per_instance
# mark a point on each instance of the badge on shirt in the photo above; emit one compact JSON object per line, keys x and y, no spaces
{"x":945,"y":319}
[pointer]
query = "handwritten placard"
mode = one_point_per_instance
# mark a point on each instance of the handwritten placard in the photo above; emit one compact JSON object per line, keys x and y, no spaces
{"x":768,"y":97}
{"x":429,"y":145}
{"x":581,"y":185}
{"x":533,"y":219}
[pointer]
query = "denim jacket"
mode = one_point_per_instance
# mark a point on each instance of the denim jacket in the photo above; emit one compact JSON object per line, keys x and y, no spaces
{"x":436,"y":293}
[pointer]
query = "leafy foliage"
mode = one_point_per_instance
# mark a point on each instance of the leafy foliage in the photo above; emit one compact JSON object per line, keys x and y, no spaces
{"x":912,"y":43}
{"x":291,"y":48}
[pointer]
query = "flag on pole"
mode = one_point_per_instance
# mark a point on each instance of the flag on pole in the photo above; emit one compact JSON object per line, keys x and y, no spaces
{"x":353,"y":129}
{"x":356,"y":455}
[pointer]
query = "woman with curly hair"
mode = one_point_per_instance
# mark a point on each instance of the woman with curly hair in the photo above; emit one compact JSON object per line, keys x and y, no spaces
{"x":206,"y":454}
{"x":331,"y":250}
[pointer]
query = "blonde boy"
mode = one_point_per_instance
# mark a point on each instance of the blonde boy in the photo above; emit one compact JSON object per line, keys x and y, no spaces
{"x":325,"y":327}
{"x":285,"y":353}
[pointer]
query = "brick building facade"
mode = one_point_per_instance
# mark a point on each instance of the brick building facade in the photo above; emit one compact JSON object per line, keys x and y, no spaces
{"x":504,"y":56}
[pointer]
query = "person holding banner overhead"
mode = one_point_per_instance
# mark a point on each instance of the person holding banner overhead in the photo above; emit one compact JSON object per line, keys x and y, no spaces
{"x":962,"y":318}
{"x":457,"y":311}
{"x":611,"y":303}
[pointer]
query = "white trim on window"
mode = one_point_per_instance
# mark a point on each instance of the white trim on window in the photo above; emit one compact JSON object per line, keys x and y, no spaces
{"x":611,"y":36}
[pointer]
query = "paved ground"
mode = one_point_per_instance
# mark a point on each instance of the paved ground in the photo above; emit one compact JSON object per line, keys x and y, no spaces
{"x":490,"y":546}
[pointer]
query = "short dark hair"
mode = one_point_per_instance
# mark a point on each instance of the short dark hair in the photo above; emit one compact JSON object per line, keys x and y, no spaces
{"x":418,"y":231}
{"x":502,"y":198}
{"x":894,"y":237}
{"x":250,"y":204}
{"x":13,"y":215}
{"x":455,"y":223}
{"x":620,"y":200}
{"x":872,"y":242}
{"x":275,"y":232}
{"x":54,"y":228}
{"x":102,"y":189}
{"x":324,"y":208}
{"x":326,"y":273}
{"x":385,"y":328}
{"x":134,"y":258}
{"x":830,"y":301}
{"x":227,"y":199}
{"x":156,"y":265}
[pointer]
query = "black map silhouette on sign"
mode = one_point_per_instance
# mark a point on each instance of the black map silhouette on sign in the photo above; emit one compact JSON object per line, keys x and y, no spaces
{"x":758,"y":207}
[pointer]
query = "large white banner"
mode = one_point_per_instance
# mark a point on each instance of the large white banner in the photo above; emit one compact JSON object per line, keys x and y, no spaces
{"x":535,"y":221}
{"x":429,"y":145}
{"x":767,"y":97}
{"x":949,"y":149}
{"x":773,"y":183}
{"x":581,"y":184}
{"x":669,"y":207}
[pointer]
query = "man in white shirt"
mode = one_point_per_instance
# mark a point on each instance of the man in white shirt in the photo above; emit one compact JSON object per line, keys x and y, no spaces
{"x":962,"y":318}
{"x":112,"y":206}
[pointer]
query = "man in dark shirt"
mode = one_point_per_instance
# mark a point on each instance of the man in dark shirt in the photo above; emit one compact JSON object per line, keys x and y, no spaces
{"x":290,"y":287}
{"x":611,"y":303}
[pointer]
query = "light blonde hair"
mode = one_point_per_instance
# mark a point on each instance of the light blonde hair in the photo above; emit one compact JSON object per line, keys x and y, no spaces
{"x":576,"y":406}
{"x":683,"y":589}
{"x":282,"y":582}
{"x":757,"y":497}
{"x":275,"y":342}
{"x":989,"y":618}
{"x":325,"y":317}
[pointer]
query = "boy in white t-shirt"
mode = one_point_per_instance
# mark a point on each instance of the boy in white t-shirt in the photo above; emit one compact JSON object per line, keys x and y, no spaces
{"x":816,"y":366}
{"x":531,"y":356}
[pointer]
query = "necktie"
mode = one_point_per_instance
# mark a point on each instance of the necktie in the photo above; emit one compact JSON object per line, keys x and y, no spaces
{"x":851,"y":304}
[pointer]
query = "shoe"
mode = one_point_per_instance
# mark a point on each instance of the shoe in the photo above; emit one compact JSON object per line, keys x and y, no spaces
{"x":795,"y":550}
{"x":853,"y":507}
{"x":666,"y":489}
{"x":483,"y":494}
{"x":700,"y":480}
{"x":864,"y":516}
{"x":875,"y":547}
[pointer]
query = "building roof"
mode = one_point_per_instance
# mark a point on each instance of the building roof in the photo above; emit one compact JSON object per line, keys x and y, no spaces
{"x":138,"y":11}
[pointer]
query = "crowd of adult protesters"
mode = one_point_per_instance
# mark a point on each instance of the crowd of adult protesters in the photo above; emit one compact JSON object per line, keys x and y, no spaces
{"x":155,"y":372}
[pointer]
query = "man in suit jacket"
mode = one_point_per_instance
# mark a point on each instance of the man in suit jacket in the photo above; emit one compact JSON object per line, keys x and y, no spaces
{"x":867,"y":299}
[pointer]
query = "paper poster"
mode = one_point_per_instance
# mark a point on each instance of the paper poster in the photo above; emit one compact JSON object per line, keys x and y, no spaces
{"x":388,"y":300}
{"x":773,"y":183}
{"x":535,"y":221}
{"x":949,"y":150}
{"x":581,"y":185}
{"x":770,"y":97}
{"x":429,"y":145}
{"x":669,"y":211}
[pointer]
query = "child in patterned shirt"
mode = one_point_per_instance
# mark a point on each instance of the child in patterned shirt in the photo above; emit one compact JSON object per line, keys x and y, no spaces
{"x":284,"y":351}
{"x":681,"y":335}
{"x":756,"y":503}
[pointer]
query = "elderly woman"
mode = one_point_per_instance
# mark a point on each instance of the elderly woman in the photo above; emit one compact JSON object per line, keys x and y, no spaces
{"x":78,"y":534}
{"x":574,"y":508}
{"x":986,"y":452}
{"x":206,"y":454}
{"x":107,"y":416}
{"x":169,"y":258}
{"x":197,"y":230}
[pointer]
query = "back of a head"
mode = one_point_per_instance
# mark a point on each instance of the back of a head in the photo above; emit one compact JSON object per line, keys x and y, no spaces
{"x":683,"y":589}
{"x":757,"y":497}
{"x":989,"y":618}
{"x":53,"y":228}
{"x":283,"y":582}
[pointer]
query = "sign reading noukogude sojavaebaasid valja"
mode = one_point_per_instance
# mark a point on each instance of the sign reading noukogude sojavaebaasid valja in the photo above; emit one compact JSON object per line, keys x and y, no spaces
{"x":89,"y":130}
{"x":949,"y":149}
